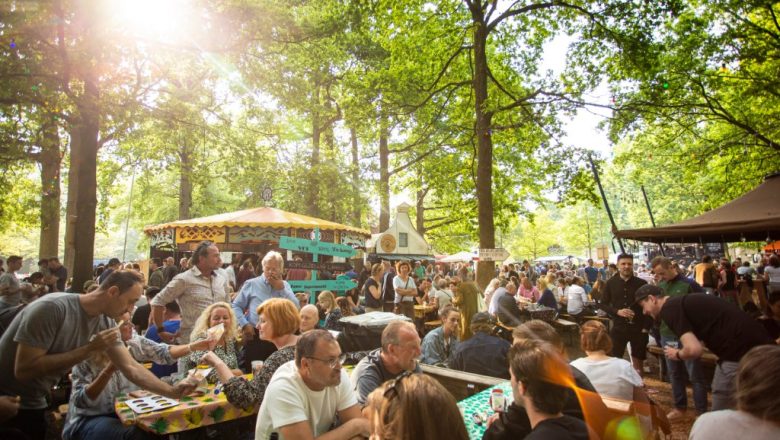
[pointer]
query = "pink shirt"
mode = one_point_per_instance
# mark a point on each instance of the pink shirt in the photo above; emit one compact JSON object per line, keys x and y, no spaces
{"x":532,"y":294}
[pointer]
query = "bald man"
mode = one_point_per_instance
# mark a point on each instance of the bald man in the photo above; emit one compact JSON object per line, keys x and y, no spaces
{"x":310,"y":317}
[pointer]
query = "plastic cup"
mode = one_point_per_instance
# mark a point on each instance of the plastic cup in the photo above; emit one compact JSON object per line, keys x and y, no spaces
{"x":257,"y":367}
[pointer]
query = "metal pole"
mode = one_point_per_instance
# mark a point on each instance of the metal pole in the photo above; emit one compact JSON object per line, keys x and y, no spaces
{"x":129,"y":209}
{"x":604,"y":198}
{"x":652,"y":219}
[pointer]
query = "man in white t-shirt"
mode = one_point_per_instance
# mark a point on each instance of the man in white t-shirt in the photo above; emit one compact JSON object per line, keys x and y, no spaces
{"x":305,"y":395}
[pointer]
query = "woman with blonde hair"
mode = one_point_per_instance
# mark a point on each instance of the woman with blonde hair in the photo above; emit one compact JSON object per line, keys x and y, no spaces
{"x":226,"y":347}
{"x":278,"y":321}
{"x":467,"y":301}
{"x":327,"y":302}
{"x":414,"y":406}
{"x":546,"y":298}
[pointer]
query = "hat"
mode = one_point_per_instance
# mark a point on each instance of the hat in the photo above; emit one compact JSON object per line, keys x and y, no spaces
{"x":647,"y":290}
{"x":482,"y":318}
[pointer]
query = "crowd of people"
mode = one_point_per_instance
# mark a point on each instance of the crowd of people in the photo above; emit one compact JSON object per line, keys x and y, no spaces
{"x":101,"y":338}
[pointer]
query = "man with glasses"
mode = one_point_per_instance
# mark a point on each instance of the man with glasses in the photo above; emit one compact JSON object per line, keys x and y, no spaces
{"x":253,"y":293}
{"x":305,"y":395}
{"x":399,"y":352}
{"x":204,"y":284}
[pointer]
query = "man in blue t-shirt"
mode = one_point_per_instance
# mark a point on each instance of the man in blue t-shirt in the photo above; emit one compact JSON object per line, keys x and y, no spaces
{"x":591,"y":273}
{"x":172,"y":317}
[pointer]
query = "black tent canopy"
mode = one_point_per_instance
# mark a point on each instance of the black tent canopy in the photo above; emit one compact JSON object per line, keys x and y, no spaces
{"x":753,"y":217}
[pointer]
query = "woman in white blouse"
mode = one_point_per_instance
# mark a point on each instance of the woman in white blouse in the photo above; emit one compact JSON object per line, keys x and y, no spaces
{"x":610,"y":376}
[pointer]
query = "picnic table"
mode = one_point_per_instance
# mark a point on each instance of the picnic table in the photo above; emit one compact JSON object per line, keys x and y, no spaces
{"x":191,"y":413}
{"x":479,"y":403}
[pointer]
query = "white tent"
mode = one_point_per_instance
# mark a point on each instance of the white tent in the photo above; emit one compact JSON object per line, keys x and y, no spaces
{"x":459,"y":257}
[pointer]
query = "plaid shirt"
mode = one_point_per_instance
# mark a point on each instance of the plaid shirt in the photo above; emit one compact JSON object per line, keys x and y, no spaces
{"x":194,"y":292}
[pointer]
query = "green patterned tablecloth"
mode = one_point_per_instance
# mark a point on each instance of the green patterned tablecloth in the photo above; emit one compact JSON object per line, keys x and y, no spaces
{"x":480,"y":403}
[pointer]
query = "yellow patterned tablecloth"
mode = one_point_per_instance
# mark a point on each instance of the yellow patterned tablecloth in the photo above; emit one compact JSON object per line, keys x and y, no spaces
{"x":192,"y":412}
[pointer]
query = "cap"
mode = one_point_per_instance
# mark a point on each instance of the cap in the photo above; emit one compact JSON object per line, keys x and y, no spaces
{"x":647,"y":290}
{"x":482,"y":318}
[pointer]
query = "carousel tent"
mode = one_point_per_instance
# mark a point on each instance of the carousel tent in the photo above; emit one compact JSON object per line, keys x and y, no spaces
{"x":249,"y":230}
{"x":264,"y":217}
{"x":753,"y":217}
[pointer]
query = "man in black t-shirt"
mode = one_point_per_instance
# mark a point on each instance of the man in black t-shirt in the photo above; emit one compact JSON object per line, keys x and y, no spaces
{"x":628,"y":324}
{"x":698,"y":318}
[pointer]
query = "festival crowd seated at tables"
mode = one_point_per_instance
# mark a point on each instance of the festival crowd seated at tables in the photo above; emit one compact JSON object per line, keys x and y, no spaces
{"x":303,"y":384}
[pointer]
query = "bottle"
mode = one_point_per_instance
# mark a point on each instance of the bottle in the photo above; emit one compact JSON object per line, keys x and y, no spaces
{"x":497,"y":400}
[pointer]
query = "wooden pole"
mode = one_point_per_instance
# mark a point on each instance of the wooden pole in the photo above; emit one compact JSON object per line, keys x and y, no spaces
{"x":604,"y":198}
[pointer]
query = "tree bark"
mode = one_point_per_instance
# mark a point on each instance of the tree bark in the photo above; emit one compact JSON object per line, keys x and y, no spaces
{"x":356,"y":187}
{"x":85,"y":154}
{"x":384,"y":176}
{"x":50,"y":161}
{"x":71,"y":216}
{"x":313,"y":190}
{"x":484,"y":145}
{"x":185,"y":181}
{"x":420,"y":219}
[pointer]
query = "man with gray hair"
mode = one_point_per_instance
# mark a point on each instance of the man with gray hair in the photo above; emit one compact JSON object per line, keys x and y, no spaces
{"x":255,"y":292}
{"x":305,"y":395}
{"x":399,"y":352}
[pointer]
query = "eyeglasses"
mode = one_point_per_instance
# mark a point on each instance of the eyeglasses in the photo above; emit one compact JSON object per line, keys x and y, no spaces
{"x":332,"y":363}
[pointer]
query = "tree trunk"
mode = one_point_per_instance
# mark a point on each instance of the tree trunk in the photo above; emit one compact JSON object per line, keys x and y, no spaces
{"x":185,"y":181}
{"x":71,"y":216}
{"x":50,"y":192}
{"x":484,"y":146}
{"x":420,"y":219}
{"x":384,"y":176}
{"x":356,"y":187}
{"x":313,"y":190}
{"x":85,"y":153}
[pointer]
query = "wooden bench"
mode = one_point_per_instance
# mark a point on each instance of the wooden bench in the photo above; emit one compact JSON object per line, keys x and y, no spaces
{"x":567,"y":328}
{"x":707,"y":358}
{"x":459,"y":383}
{"x":602,"y":319}
{"x":618,"y":406}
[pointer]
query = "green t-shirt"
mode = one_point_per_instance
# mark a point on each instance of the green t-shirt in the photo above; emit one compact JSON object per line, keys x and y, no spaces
{"x":673,"y":288}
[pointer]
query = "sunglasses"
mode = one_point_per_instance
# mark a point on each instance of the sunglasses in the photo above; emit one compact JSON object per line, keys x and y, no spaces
{"x":392,"y":386}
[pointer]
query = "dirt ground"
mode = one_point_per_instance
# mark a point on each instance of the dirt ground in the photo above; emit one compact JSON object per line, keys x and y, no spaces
{"x":661,"y":393}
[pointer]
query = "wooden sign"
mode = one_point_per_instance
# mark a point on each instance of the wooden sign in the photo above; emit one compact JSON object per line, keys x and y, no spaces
{"x":309,"y":265}
{"x":333,"y":285}
{"x":316,"y":247}
{"x":498,"y":254}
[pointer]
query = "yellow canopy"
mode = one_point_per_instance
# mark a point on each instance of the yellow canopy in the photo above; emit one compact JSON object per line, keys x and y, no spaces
{"x":263,"y":217}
